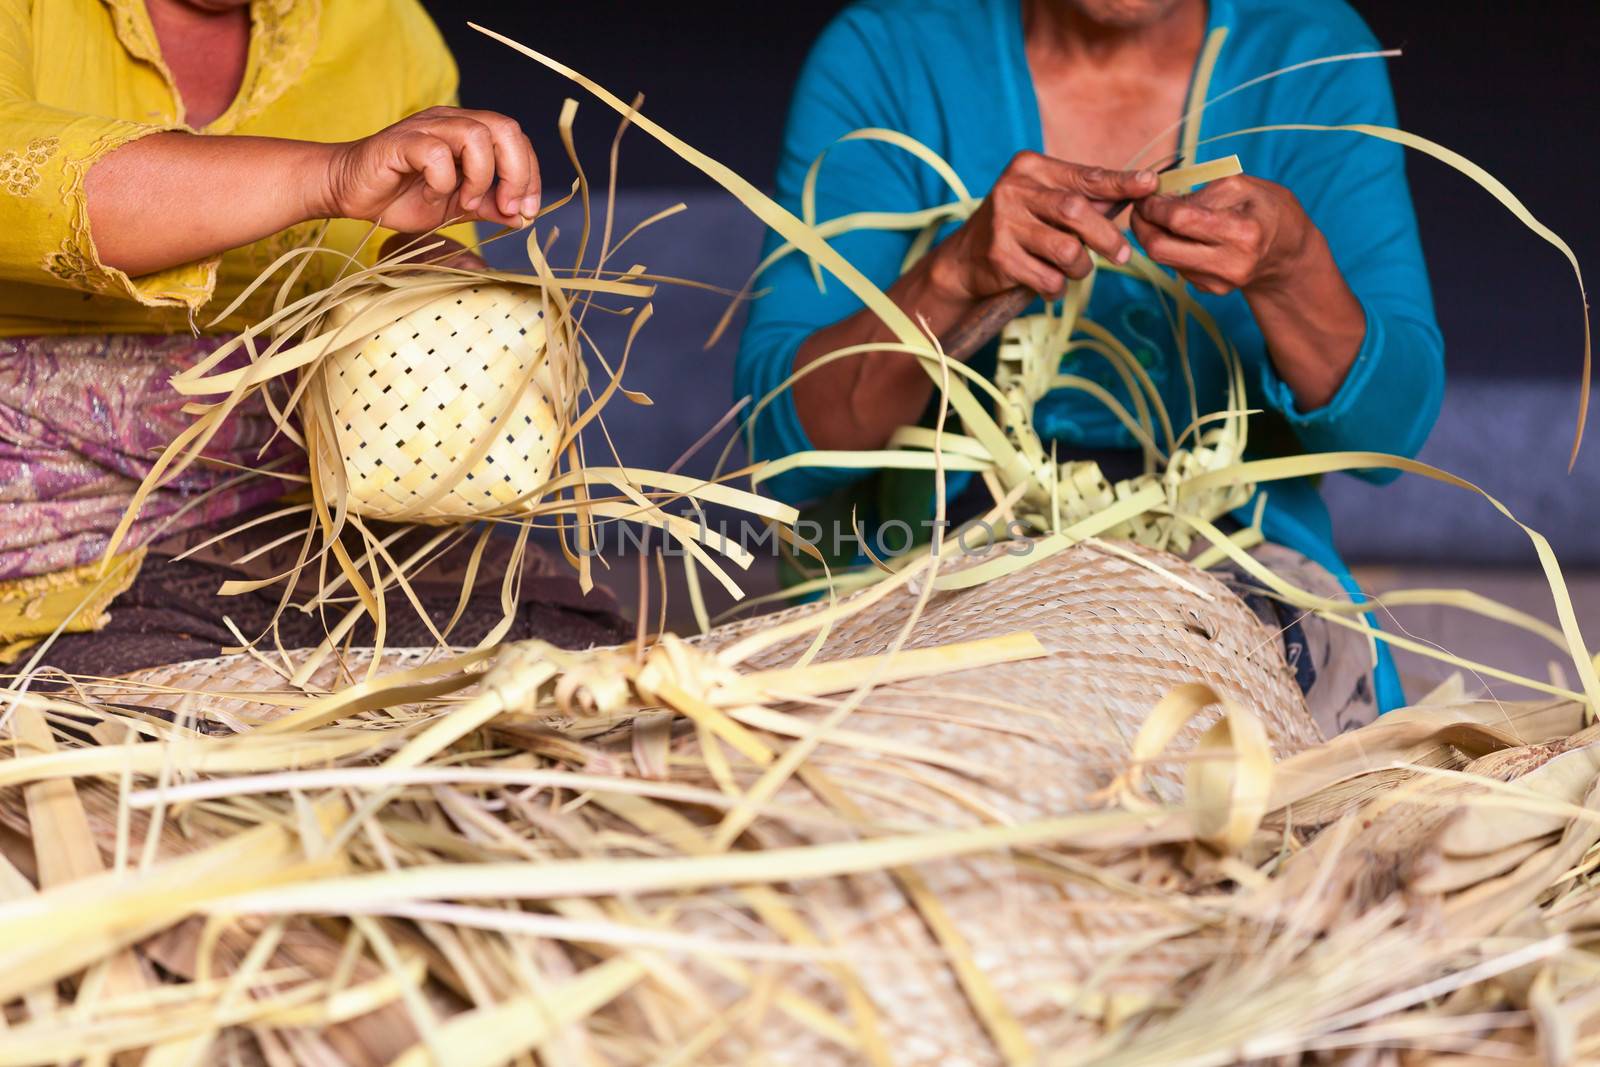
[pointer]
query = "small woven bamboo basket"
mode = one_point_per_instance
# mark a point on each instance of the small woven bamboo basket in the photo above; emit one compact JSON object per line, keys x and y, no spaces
{"x":445,"y":406}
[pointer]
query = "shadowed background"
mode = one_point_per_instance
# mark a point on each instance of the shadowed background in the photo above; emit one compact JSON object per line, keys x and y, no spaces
{"x":1506,"y":85}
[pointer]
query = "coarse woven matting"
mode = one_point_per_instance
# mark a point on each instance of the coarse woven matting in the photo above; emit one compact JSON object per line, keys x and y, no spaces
{"x":1120,"y":635}
{"x":1046,"y":736}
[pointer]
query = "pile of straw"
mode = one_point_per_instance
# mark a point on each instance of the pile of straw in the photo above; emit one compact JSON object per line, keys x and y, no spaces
{"x":683,"y":853}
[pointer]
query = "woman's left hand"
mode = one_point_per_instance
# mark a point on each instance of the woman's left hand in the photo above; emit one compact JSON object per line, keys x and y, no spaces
{"x":1236,"y":233}
{"x":1253,"y":236}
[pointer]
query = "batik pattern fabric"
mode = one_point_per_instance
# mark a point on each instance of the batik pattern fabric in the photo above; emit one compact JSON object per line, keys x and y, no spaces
{"x":82,"y":421}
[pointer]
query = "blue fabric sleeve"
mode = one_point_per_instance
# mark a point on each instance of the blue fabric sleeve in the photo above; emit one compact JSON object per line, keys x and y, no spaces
{"x":1354,"y":189}
{"x":850,"y":81}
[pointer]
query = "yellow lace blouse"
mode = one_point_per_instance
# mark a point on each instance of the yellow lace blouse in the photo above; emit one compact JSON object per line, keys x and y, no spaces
{"x":81,"y":77}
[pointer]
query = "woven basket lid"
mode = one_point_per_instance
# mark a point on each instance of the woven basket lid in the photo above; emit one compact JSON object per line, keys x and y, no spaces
{"x":447,"y":409}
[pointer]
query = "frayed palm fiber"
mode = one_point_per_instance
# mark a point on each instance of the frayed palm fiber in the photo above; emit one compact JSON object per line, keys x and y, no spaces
{"x":641,"y":857}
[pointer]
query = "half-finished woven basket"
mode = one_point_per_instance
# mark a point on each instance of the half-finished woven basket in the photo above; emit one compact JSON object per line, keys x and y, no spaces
{"x":1053,"y":732}
{"x":446,"y":410}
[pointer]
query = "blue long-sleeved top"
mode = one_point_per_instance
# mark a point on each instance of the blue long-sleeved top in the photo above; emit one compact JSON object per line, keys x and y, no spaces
{"x":953,"y":75}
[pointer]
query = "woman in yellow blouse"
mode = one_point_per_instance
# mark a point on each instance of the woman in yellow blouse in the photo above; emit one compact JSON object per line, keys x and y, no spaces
{"x":155,"y":155}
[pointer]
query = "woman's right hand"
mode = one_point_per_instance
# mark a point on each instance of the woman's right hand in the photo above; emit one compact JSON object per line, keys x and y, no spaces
{"x":1035,"y":229}
{"x":440,"y":164}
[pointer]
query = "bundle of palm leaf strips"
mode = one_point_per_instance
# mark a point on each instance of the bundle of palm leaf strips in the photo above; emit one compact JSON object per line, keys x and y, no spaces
{"x":1068,"y":810}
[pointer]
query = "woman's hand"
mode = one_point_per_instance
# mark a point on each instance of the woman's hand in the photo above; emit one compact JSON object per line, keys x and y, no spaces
{"x":1036,"y":227}
{"x":440,"y":164}
{"x":1253,"y":236}
{"x":1236,"y":233}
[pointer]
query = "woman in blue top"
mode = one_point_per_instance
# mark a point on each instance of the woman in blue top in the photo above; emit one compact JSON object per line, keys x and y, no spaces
{"x":1310,"y":263}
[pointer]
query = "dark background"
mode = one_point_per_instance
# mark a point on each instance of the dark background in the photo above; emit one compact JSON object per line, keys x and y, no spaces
{"x":1509,"y":85}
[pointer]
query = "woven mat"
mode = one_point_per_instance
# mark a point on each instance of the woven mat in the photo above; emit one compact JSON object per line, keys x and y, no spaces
{"x":1050,"y":733}
{"x":1121,"y":635}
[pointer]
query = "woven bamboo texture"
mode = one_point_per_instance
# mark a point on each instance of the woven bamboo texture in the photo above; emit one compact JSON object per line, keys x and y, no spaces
{"x":451,"y":412}
{"x":672,"y":854}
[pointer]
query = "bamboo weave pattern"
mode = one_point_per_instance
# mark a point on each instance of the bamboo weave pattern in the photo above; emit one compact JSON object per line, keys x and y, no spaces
{"x":451,"y":412}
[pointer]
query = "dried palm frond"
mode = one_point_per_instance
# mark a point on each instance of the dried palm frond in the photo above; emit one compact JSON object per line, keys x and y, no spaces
{"x":1191,"y":478}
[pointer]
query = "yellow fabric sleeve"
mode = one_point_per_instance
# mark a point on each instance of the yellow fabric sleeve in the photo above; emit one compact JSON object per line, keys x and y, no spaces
{"x":72,"y":601}
{"x":44,"y":214}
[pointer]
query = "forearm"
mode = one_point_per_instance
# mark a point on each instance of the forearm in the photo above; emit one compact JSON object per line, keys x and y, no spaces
{"x":858,"y":401}
{"x":173,"y":198}
{"x":1312,"y":323}
{"x":1037,"y":229}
